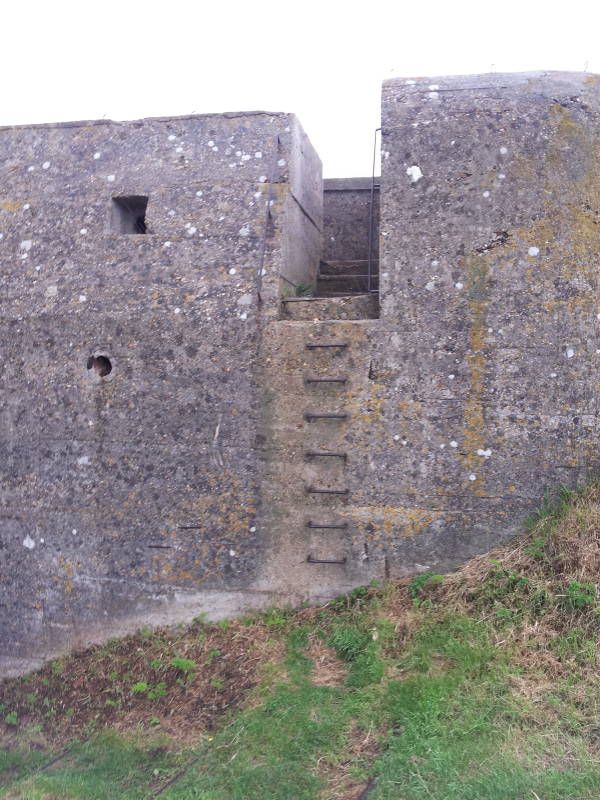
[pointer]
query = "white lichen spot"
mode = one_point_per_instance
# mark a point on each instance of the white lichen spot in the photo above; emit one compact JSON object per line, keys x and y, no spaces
{"x":215,"y":149}
{"x":30,"y":169}
{"x":252,"y":530}
{"x":177,"y":311}
{"x":414,"y":173}
{"x":232,"y":271}
{"x":46,"y":165}
{"x":263,"y":272}
{"x":82,"y":298}
{"x":96,"y":156}
{"x":172,"y":137}
{"x":232,"y":553}
{"x":258,"y":154}
{"x":451,"y":377}
{"x":501,"y":176}
{"x":396,"y":437}
{"x":503,"y":150}
{"x":553,"y":374}
{"x":486,"y":194}
{"x":211,"y":143}
{"x":459,"y":285}
{"x":246,"y":157}
{"x":570,"y":352}
{"x":179,"y":149}
{"x":245,"y":231}
{"x":51,"y":291}
{"x":110,"y":178}
{"x":262,"y":179}
{"x":74,"y":531}
{"x":257,"y":195}
{"x":472,"y":477}
{"x":26,"y":245}
{"x":430,"y":286}
{"x":453,"y":443}
{"x":83,"y":461}
{"x":83,"y":231}
{"x":434,"y":263}
{"x":533,"y":251}
{"x":238,"y":153}
{"x":485,"y":453}
{"x":282,"y":162}
{"x":26,"y":207}
{"x":28,"y":542}
{"x":598,"y":316}
{"x":167,"y":244}
{"x":171,"y":213}
{"x":442,"y":446}
{"x":199,"y":193}
{"x":243,"y":315}
{"x":191,"y":230}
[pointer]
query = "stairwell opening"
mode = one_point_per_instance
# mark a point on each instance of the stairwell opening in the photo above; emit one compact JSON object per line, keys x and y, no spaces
{"x":346,"y":285}
{"x":350,"y":256}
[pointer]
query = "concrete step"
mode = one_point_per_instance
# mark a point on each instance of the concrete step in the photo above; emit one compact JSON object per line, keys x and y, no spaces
{"x":329,"y":285}
{"x":358,"y":306}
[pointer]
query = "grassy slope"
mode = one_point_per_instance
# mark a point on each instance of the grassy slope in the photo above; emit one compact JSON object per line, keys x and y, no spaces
{"x":479,"y":686}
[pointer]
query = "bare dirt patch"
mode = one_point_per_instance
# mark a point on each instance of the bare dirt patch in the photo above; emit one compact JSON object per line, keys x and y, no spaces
{"x":177,"y":682}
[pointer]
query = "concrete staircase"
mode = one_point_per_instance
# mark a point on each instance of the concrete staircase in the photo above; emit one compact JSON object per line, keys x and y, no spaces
{"x":340,"y":278}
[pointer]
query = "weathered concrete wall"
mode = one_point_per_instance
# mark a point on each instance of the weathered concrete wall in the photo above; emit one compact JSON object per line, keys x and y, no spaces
{"x":346,"y":219}
{"x":487,"y":359}
{"x":184,"y":480}
{"x":132,"y":498}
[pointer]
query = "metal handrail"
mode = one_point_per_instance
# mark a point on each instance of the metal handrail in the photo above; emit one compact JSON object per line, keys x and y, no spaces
{"x":372,"y":203}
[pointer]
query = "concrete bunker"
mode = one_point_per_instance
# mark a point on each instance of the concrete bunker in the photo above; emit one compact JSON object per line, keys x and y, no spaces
{"x":427,"y":425}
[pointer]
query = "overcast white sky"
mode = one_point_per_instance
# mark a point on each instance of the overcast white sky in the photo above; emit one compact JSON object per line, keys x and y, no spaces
{"x":324,"y":60}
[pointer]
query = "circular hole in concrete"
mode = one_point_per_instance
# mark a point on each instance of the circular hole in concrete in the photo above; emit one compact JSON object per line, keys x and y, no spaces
{"x":101,"y":365}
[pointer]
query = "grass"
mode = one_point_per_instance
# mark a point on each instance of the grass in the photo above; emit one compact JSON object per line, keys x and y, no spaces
{"x":479,"y":685}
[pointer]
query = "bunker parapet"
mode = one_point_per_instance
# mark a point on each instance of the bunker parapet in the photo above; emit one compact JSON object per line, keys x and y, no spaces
{"x":207,"y":406}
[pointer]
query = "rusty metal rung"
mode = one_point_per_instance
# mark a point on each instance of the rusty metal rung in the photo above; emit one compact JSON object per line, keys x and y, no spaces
{"x":324,"y":454}
{"x":311,"y":417}
{"x":312,"y":560}
{"x":314,"y":345}
{"x":325,"y":380}
{"x":341,"y":526}
{"x":312,"y":490}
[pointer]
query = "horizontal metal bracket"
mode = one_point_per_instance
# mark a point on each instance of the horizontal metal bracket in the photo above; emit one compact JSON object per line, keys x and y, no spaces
{"x":312,"y":490}
{"x":325,"y":380}
{"x":312,"y":560}
{"x":312,"y":417}
{"x":341,"y":527}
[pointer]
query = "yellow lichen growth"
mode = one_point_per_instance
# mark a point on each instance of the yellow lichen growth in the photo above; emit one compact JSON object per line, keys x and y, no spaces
{"x":10,"y":205}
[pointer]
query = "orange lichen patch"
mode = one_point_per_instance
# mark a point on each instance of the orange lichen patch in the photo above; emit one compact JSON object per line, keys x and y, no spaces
{"x":401,"y":520}
{"x":10,"y":205}
{"x":474,"y":438}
